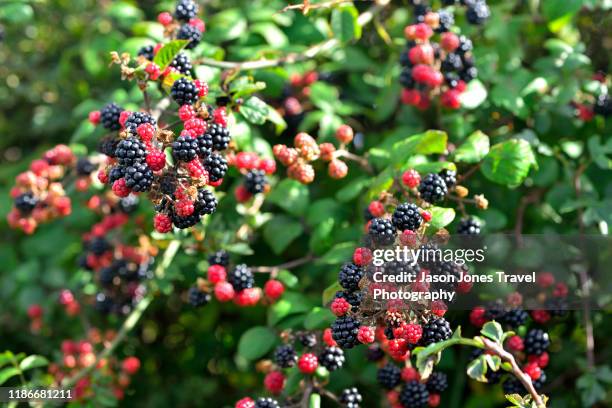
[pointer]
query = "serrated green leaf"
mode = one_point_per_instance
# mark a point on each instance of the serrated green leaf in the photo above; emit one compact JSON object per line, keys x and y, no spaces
{"x":256,"y":342}
{"x":290,"y":195}
{"x":318,"y":318}
{"x":166,"y":54}
{"x":330,"y":292}
{"x":280,"y":231}
{"x":441,"y":217}
{"x":493,"y":331}
{"x":477,"y":369}
{"x":255,"y":110}
{"x":33,"y":361}
{"x":430,"y":142}
{"x":473,"y":149}
{"x":344,"y":23}
{"x":508,"y":162}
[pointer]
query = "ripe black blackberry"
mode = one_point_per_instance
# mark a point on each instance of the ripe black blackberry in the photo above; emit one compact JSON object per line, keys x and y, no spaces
{"x":206,"y":202}
{"x":285,"y":356}
{"x":205,"y":145}
{"x":399,"y":268}
{"x":219,"y":258}
{"x":350,"y":398}
{"x":167,"y":184}
{"x":197,"y":297}
{"x":437,"y":382}
{"x":106,"y":276}
{"x":184,"y":92}
{"x":465,"y":45}
{"x":241,"y":277}
{"x":220,"y":136}
{"x":539,"y":383}
{"x":468,"y":74}
{"x":495,"y":310}
{"x":451,"y":63}
{"x":139,"y":177}
{"x":477,"y":12}
{"x":536,"y":342}
{"x":84,"y":167}
{"x":25,"y":203}
{"x":452,"y":79}
{"x":407,"y":217}
{"x":389,"y":376}
{"x":435,"y":330}
{"x":433,"y":188}
{"x":513,"y":386}
{"x":255,"y":181}
{"x":147,"y":52}
{"x":414,"y":395}
{"x":216,"y":165}
{"x":404,"y":60}
{"x":184,"y":222}
{"x":182,"y":63}
{"x":308,"y":339}
{"x":381,"y":231}
{"x":389,"y":333}
{"x":266,"y":403}
{"x":185,"y":10}
{"x":103,"y":304}
{"x":185,"y":148}
{"x":603,"y":105}
{"x":468,"y":226}
{"x":191,"y":33}
{"x":115,"y":173}
{"x":405,"y":78}
{"x":344,"y":331}
{"x":108,"y":146}
{"x":354,"y":298}
{"x":449,"y":176}
{"x":136,"y":119}
{"x":332,"y":358}
{"x":129,"y":204}
{"x":109,"y":116}
{"x":375,"y":353}
{"x":130,"y":151}
{"x":557,"y":307}
{"x":349,"y":276}
{"x":514,"y":318}
{"x":98,"y":246}
{"x":447,"y":20}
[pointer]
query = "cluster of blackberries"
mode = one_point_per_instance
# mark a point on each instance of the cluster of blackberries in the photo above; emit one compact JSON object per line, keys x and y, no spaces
{"x":122,"y":285}
{"x":434,"y":187}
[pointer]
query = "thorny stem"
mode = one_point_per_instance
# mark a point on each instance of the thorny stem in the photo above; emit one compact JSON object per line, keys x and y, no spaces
{"x":130,"y":322}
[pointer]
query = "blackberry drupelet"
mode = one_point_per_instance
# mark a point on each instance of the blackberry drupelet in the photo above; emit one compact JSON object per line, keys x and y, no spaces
{"x":266,"y":403}
{"x":108,"y":146}
{"x":182,"y":63}
{"x":433,"y":188}
{"x":514,"y":318}
{"x":354,"y":298}
{"x":350,"y":398}
{"x":349,"y":276}
{"x":130,"y":151}
{"x":536,"y":342}
{"x":449,"y":176}
{"x":285,"y":356}
{"x":136,"y":119}
{"x":109,"y":116}
{"x":98,"y":246}
{"x":184,"y":92}
{"x":184,"y":222}
{"x":468,"y":74}
{"x":255,"y":181}
{"x":436,"y":330}
{"x":219,"y":258}
{"x":206,"y":202}
{"x":147,"y":52}
{"x":198,"y":298}
{"x":25,"y":203}
{"x":205,"y":145}
{"x":308,"y":339}
{"x":185,"y":10}
{"x":477,"y":12}
{"x":216,"y":166}
{"x":332,"y":358}
{"x":191,"y":33}
{"x":389,"y":376}
{"x":138,"y":177}
{"x":407,"y":217}
{"x":381,"y":231}
{"x":185,"y":148}
{"x":115,"y":173}
{"x":414,"y":395}
{"x":129,"y":204}
{"x":437,"y":382}
{"x":375,"y":353}
{"x":603,"y":105}
{"x":241,"y":277}
{"x":220,"y":136}
{"x":84,"y":167}
{"x":344,"y":331}
{"x":468,"y":226}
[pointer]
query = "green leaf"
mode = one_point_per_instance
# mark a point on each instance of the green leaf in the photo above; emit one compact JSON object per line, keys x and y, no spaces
{"x":330,"y":292}
{"x":315,"y":401}
{"x":280,"y":231}
{"x":338,"y":254}
{"x":474,"y":95}
{"x":474,"y":149}
{"x":292,"y":303}
{"x":255,"y":110}
{"x":477,"y":369}
{"x":290,"y":195}
{"x":17,"y":13}
{"x":508,"y":162}
{"x":430,"y":142}
{"x":244,"y":85}
{"x":441,"y":217}
{"x":166,"y":54}
{"x":493,"y":331}
{"x":256,"y":342}
{"x":352,"y":189}
{"x":33,"y":361}
{"x":344,"y":23}
{"x":319,"y":318}
{"x":7,"y":373}
{"x":289,"y":279}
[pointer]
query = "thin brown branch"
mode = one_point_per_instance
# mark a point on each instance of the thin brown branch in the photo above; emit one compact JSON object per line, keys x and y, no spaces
{"x":363,"y":162}
{"x":273,"y":270}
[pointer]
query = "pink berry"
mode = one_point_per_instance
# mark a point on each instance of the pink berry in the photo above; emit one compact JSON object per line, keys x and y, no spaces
{"x":146,"y":131}
{"x":241,"y":194}
{"x":196,"y":126}
{"x":411,"y":178}
{"x":410,"y":374}
{"x":411,"y":97}
{"x":362,"y":256}
{"x":153,"y":71}
{"x":516,"y":343}
{"x":184,"y":207}
{"x":224,"y":291}
{"x":216,"y":273}
{"x":328,"y":338}
{"x":267,"y":165}
{"x":164,"y":18}
{"x":197,"y":23}
{"x":202,"y":89}
{"x":340,"y":306}
{"x":449,"y":41}
{"x":308,"y":363}
{"x":274,"y":289}
{"x":186,"y":112}
{"x":344,"y":134}
{"x":245,"y":403}
{"x":533,"y":370}
{"x":376,"y":208}
{"x":413,"y":333}
{"x":426,"y":215}
{"x":156,"y":160}
{"x":120,"y":189}
{"x":123,"y":116}
{"x":274,"y":382}
{"x":366,"y":334}
{"x":220,"y":116}
{"x":450,"y":99}
{"x":131,"y":365}
{"x":94,"y":117}
{"x":162,"y":223}
{"x":35,"y":311}
{"x":248,"y":297}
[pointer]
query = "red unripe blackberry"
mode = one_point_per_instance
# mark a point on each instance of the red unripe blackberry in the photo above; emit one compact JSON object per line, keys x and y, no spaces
{"x":389,"y":376}
{"x":224,"y":291}
{"x":540,"y":316}
{"x":449,"y":41}
{"x":533,"y":371}
{"x":328,"y":339}
{"x":130,"y":365}
{"x":35,"y":311}
{"x":197,"y":23}
{"x":340,"y":306}
{"x":216,"y":273}
{"x":245,"y":403}
{"x":164,"y":18}
{"x":545,"y":279}
{"x":411,"y":178}
{"x":162,"y":223}
{"x":344,"y":134}
{"x":156,"y":160}
{"x":366,"y":334}
{"x":398,"y":348}
{"x":410,"y":374}
{"x":195,"y":126}
{"x":184,"y":207}
{"x":94,"y":117}
{"x":153,"y":71}
{"x":451,"y":99}
{"x":120,"y":189}
{"x":362,"y":256}
{"x":186,"y":112}
{"x":241,"y":193}
{"x":274,"y":289}
{"x":413,"y":333}
{"x":434,"y":400}
{"x":248,"y":297}
{"x":136,"y":119}
{"x":308,"y":363}
{"x":274,"y":382}
{"x":421,"y":54}
{"x":267,"y":165}
{"x":411,"y":96}
{"x":542,"y":360}
{"x":337,"y":169}
{"x":376,"y":208}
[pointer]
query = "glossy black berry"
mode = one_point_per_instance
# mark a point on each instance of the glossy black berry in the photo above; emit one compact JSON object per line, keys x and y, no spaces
{"x":108,"y":146}
{"x":407,"y":217}
{"x":285,"y":356}
{"x":98,"y":246}
{"x":255,"y":181}
{"x":84,"y":167}
{"x":452,"y":62}
{"x":106,"y":276}
{"x":539,"y":383}
{"x":437,"y":382}
{"x":536,"y":342}
{"x":136,"y":119}
{"x":219,"y":258}
{"x":436,"y":330}
{"x":308,"y":339}
{"x":449,"y":176}
{"x":115,"y":173}
{"x":603,"y":105}
{"x":433,"y":188}
{"x":477,"y":12}
{"x":354,"y":298}
{"x":26,"y":202}
{"x":375,"y":353}
{"x":185,"y":148}
{"x":266,"y":403}
{"x":184,"y":92}
{"x":185,"y":10}
{"x":103,"y":303}
{"x":129,"y":204}
{"x":184,"y":222}
{"x":515,"y":318}
{"x":130,"y":151}
{"x":344,"y":331}
{"x":350,"y":398}
{"x":389,"y":376}
{"x":447,"y":20}
{"x":381,"y":231}
{"x":216,"y":165}
{"x":220,"y":136}
{"x":206,"y":202}
{"x":147,"y":52}
{"x":205,"y":145}
{"x":406,"y":79}
{"x":167,"y":185}
{"x":465,"y":45}
{"x":197,"y":297}
{"x":182,"y":63}
{"x":414,"y":395}
{"x":513,"y":386}
{"x":468,"y":74}
{"x":468,"y":226}
{"x":332,"y":358}
{"x":191,"y":33}
{"x":349,"y":276}
{"x":109,"y":116}
{"x":241,"y":277}
{"x":139,"y":177}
